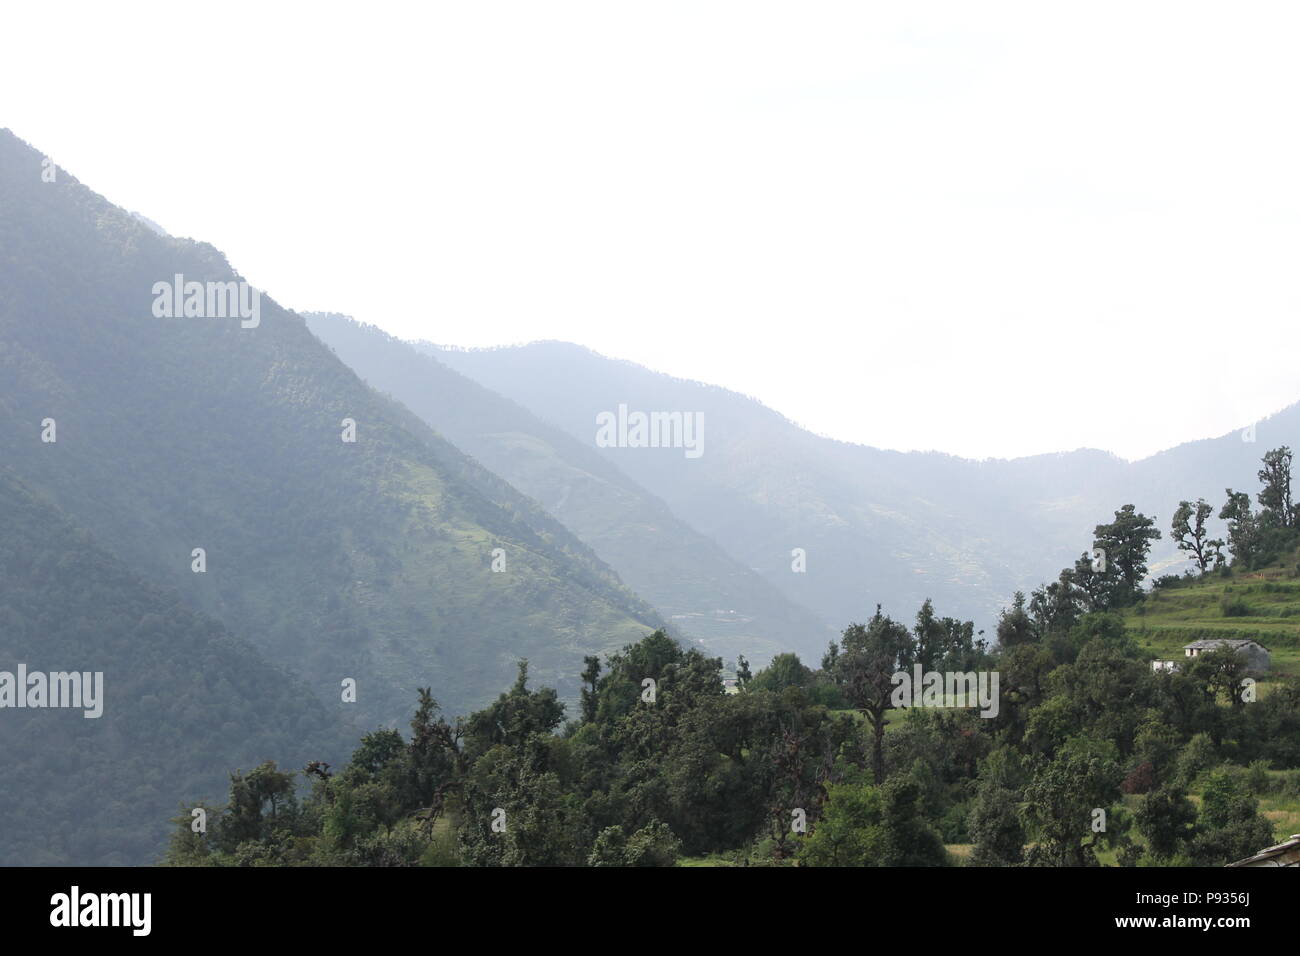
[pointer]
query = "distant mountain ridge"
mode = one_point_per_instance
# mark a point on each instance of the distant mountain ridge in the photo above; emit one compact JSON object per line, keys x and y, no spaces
{"x":876,"y":525}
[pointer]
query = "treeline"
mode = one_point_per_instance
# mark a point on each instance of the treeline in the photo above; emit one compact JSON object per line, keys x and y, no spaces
{"x":1089,"y":750}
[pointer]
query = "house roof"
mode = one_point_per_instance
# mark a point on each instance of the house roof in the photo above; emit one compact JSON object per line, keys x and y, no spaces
{"x":1289,"y":846}
{"x":1222,"y":642}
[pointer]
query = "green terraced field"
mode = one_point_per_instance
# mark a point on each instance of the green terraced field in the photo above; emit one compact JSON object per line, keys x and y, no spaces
{"x":1267,"y":603}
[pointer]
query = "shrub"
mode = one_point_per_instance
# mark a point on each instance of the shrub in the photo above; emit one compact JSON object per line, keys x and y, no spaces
{"x":1234,"y":607}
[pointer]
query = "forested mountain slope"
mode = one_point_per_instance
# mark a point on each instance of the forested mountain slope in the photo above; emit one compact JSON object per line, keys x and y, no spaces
{"x":687,"y":576}
{"x":182,"y":703}
{"x":368,"y":559}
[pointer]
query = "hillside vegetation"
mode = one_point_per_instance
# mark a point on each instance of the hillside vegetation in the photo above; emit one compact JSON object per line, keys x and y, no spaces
{"x":1261,"y":605}
{"x":183,"y":701}
{"x":690,"y":579}
{"x":369,"y":560}
{"x":1079,"y":755}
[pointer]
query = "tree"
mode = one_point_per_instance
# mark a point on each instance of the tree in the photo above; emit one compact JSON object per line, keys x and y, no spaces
{"x":960,"y":648}
{"x":929,"y":633}
{"x":1094,"y":578}
{"x":590,"y":679}
{"x":1243,"y":527}
{"x":1229,"y":826}
{"x":1124,"y":545}
{"x":864,"y":669}
{"x":437,"y":761}
{"x":786,"y":670}
{"x":515,"y":716}
{"x":246,"y":817}
{"x":1061,"y":798}
{"x":1276,"y":496}
{"x":1055,"y":608}
{"x":910,"y":840}
{"x":517,"y":813}
{"x":1166,"y":818}
{"x":1221,"y":670}
{"x":851,"y":830}
{"x":995,"y":826}
{"x":652,"y":845}
{"x":1189,"y":531}
{"x":1014,"y":625}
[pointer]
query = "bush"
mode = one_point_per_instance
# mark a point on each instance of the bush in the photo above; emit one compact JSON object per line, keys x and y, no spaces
{"x":1198,"y":756}
{"x":1257,"y":777}
{"x":1234,"y":607}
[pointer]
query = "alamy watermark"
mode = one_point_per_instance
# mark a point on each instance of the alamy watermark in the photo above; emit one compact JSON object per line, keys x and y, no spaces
{"x":77,"y":690}
{"x":76,"y":908}
{"x":946,"y":689}
{"x":624,"y":429}
{"x":207,"y":300}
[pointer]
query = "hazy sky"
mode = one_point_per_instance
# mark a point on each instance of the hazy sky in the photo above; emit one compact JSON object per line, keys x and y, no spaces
{"x":987,"y":229}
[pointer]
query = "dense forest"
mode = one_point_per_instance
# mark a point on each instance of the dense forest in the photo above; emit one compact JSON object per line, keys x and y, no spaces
{"x":183,"y":698}
{"x":1093,"y":756}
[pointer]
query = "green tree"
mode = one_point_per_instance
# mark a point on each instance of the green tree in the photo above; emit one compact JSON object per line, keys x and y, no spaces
{"x":1166,"y":818}
{"x":929,"y":632}
{"x":1055,"y":607}
{"x":1229,"y":826}
{"x":850,"y":831}
{"x":786,"y":670}
{"x":743,"y":675}
{"x":590,"y":681}
{"x":1061,"y":797}
{"x":515,"y":716}
{"x":995,"y":826}
{"x":1014,"y":624}
{"x":1189,"y":531}
{"x":1220,"y":671}
{"x":1125,"y":543}
{"x":910,"y":839}
{"x":1275,"y":498}
{"x":1243,"y":527}
{"x":652,"y":845}
{"x":869,"y":657}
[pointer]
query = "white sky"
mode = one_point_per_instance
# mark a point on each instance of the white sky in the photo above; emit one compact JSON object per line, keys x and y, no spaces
{"x":986,"y":229}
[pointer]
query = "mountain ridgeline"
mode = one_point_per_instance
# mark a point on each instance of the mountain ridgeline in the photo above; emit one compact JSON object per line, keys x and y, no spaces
{"x":876,"y":526}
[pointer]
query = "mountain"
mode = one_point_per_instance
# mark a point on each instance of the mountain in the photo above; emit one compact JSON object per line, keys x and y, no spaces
{"x":369,"y":560}
{"x":686,"y":575}
{"x":182,"y":701}
{"x":877,"y":526}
